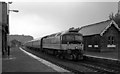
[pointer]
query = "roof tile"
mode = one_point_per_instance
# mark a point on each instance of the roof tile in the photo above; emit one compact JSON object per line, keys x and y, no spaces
{"x":96,"y":28}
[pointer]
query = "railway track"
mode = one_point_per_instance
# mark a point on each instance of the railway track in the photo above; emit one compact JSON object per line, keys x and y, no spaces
{"x":102,"y":67}
{"x":76,"y":67}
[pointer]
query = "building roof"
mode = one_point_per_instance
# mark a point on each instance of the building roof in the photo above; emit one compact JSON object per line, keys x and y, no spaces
{"x":97,"y":28}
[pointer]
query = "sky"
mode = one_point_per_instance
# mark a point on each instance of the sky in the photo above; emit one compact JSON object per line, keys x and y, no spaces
{"x":38,"y":19}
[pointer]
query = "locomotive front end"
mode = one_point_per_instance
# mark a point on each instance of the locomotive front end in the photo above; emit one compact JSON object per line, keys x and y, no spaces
{"x":73,"y":44}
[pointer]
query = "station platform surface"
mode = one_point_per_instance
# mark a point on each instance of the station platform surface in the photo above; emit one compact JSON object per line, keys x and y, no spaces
{"x":105,"y":55}
{"x":19,"y":61}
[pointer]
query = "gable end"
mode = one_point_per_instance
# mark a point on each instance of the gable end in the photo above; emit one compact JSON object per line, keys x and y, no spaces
{"x":112,"y":23}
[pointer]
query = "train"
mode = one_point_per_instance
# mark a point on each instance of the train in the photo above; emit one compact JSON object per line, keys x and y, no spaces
{"x":66,"y":44}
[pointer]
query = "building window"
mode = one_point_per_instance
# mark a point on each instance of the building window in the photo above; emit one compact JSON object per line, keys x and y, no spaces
{"x":111,"y":40}
{"x":111,"y":45}
{"x":89,"y":45}
{"x":95,"y":45}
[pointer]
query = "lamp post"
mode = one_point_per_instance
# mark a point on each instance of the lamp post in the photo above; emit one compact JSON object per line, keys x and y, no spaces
{"x":8,"y":8}
{"x":8,"y":12}
{"x":14,"y":10}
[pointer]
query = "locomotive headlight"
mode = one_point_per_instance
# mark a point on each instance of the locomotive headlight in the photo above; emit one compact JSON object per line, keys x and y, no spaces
{"x":76,"y":47}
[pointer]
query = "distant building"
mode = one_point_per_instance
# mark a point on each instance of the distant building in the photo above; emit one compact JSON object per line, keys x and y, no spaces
{"x":20,"y":38}
{"x":102,"y":36}
{"x":15,"y":43}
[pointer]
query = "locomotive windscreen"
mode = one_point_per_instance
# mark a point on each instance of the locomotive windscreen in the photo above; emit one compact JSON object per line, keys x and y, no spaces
{"x":72,"y":39}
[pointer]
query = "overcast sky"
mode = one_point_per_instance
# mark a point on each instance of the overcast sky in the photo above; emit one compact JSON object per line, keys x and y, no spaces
{"x":43,"y":18}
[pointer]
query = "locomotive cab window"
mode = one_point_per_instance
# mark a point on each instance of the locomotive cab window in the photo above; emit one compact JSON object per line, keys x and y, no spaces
{"x":72,"y":39}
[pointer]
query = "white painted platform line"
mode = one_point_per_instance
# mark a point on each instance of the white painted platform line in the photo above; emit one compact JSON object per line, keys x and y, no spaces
{"x":102,"y":57}
{"x":53,"y":66}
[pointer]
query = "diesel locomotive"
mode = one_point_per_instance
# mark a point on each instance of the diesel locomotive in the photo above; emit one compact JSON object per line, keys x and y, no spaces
{"x":67,"y":44}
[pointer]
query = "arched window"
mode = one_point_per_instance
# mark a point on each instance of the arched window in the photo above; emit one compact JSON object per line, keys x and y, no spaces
{"x":111,"y":40}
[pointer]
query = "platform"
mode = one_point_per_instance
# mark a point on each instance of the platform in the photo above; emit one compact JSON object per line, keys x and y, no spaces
{"x":20,"y":61}
{"x":105,"y":55}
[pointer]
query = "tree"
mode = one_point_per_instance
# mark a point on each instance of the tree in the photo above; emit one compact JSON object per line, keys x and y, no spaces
{"x":116,"y":18}
{"x":111,"y":16}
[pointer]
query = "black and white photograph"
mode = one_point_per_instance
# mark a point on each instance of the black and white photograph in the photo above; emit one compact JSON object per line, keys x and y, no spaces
{"x":60,"y":37}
